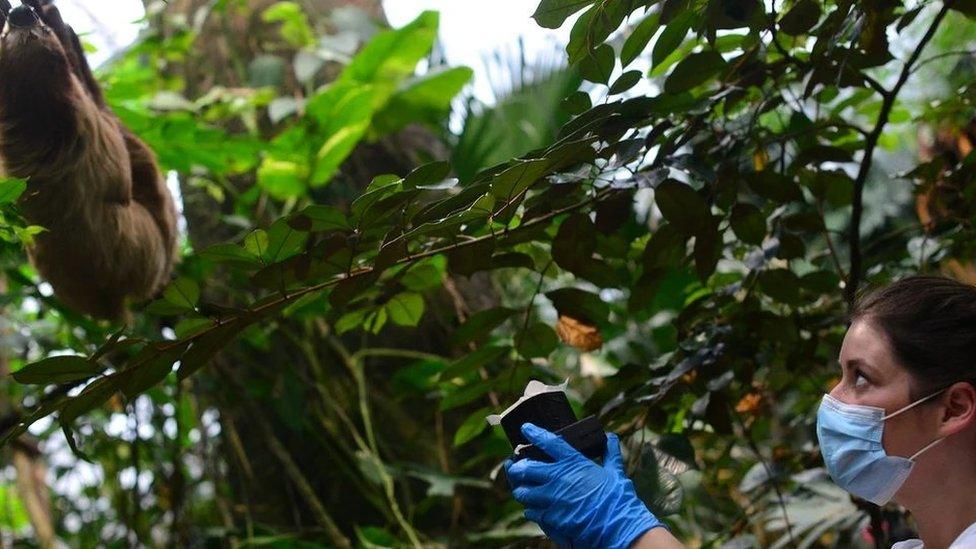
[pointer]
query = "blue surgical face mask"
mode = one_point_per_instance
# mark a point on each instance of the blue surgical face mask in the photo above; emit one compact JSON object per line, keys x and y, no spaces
{"x":850,"y":441}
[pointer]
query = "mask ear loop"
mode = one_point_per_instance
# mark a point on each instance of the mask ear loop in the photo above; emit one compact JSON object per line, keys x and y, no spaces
{"x":909,"y":407}
{"x":926,"y":449}
{"x":914,"y":404}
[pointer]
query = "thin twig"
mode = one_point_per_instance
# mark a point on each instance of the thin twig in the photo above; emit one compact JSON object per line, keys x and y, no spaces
{"x":888,"y":103}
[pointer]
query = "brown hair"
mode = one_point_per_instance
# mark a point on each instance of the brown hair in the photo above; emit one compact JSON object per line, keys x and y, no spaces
{"x":930,"y":323}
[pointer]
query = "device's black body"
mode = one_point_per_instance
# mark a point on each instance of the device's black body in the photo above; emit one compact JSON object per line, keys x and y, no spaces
{"x":552,"y":412}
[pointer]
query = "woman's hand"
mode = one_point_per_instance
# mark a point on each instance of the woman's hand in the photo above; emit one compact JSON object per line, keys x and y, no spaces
{"x":577,"y":502}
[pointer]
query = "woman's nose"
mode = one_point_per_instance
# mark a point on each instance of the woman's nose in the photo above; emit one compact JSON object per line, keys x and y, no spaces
{"x":23,"y":16}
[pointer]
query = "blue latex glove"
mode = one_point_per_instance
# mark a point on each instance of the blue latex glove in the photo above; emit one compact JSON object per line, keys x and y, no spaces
{"x":577,"y":502}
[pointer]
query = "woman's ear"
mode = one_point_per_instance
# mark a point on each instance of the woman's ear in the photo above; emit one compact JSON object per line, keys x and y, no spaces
{"x":960,"y":408}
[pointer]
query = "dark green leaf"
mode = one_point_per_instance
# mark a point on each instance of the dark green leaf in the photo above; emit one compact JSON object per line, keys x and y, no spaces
{"x":707,"y":249}
{"x":537,"y":341}
{"x":577,"y":102}
{"x":575,"y":242}
{"x":58,"y":369}
{"x":781,"y":284}
{"x":801,"y":18}
{"x":665,"y":248}
{"x":580,"y":304}
{"x":674,"y":33}
{"x":551,"y":14}
{"x":480,"y":324}
{"x":625,"y":82}
{"x":480,"y":358}
{"x":427,"y":175}
{"x":597,"y":66}
{"x":749,"y":223}
{"x":682,"y":206}
{"x":473,"y":426}
{"x":694,"y":70}
{"x":639,"y":38}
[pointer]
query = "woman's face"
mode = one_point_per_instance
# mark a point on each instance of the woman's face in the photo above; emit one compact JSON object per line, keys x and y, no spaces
{"x":872,"y":377}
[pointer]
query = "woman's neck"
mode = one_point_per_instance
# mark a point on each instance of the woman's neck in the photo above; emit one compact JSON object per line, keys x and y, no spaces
{"x":947,"y":508}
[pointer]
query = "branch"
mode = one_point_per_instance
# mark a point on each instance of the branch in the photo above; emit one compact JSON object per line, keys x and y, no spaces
{"x":856,"y":274}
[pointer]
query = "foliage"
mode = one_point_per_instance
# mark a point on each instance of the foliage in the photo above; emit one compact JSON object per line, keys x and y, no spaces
{"x":698,"y":233}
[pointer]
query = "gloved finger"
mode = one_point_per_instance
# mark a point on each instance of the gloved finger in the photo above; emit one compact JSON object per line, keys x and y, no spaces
{"x":535,"y":515}
{"x":528,"y":471}
{"x":550,"y":443}
{"x":533,"y":497}
{"x":613,"y":458}
{"x":552,"y":531}
{"x":506,"y":465}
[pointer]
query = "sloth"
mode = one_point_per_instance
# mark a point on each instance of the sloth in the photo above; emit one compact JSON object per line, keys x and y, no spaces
{"x":92,"y":184}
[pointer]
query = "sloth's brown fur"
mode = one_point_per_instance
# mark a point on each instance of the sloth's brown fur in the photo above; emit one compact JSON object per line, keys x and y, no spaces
{"x":95,"y":187}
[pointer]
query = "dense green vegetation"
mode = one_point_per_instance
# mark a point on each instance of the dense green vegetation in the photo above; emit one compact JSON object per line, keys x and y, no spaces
{"x":675,"y":216}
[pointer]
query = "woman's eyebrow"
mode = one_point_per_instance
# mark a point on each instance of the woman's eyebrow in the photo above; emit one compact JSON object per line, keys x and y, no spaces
{"x":858,"y":363}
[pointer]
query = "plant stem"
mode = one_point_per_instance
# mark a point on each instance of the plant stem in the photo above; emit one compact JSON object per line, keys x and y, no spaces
{"x":888,"y":103}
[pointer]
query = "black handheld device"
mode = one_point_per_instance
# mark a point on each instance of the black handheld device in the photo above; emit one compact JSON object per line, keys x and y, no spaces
{"x":552,"y":412}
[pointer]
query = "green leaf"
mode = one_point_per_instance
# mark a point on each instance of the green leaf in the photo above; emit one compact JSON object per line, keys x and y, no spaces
{"x":393,"y":55}
{"x":551,"y":14}
{"x":748,"y":223}
{"x":801,"y":18}
{"x":149,"y":367}
{"x":183,"y":293}
{"x":480,"y":324}
{"x":537,"y":341}
{"x":775,"y":186}
{"x":625,"y":82}
{"x":283,"y":241}
{"x":781,"y":284}
{"x":473,"y":426}
{"x":682,"y":206}
{"x":464,"y":395}
{"x":707,"y":249}
{"x":481,"y":357}
{"x":580,"y":304}
{"x":295,"y":28}
{"x":427,"y":175}
{"x":256,"y":243}
{"x":406,"y":308}
{"x":517,"y":178}
{"x":575,"y":241}
{"x":282,"y":179}
{"x":338,"y":146}
{"x":94,"y":395}
{"x":598,"y":65}
{"x":425,"y":275}
{"x":424,"y":99}
{"x":577,"y":102}
{"x":639,"y":38}
{"x":11,"y":189}
{"x":674,"y":33}
{"x":345,"y":110}
{"x":162,"y":307}
{"x":319,"y":219}
{"x":694,"y":70}
{"x":58,"y":369}
{"x":204,"y":348}
{"x":229,"y":253}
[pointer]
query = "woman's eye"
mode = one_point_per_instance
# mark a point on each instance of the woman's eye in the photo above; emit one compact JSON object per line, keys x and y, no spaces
{"x":860,"y":381}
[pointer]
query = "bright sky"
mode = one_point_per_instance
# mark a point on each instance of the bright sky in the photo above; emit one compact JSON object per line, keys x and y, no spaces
{"x":469,"y":34}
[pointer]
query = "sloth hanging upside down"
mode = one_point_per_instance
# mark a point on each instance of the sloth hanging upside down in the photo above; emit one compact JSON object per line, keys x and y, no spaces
{"x":95,"y":187}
